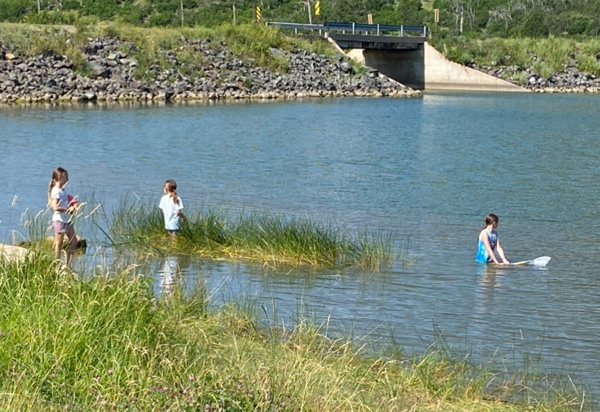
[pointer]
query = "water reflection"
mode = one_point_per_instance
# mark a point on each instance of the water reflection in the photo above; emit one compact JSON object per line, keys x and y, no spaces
{"x":176,"y":272}
{"x":163,"y":285}
{"x":490,"y":280}
{"x":487,"y":304}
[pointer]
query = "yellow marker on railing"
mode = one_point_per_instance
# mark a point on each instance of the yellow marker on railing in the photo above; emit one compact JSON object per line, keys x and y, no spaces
{"x":317,"y":8}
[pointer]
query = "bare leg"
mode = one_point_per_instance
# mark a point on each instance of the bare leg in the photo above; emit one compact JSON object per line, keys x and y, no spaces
{"x":72,"y":245}
{"x":58,"y":239}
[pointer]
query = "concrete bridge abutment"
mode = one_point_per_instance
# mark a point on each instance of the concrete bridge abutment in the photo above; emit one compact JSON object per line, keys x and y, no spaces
{"x":427,"y":69}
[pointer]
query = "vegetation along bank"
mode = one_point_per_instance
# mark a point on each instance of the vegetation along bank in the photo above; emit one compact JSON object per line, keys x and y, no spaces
{"x":544,"y":65}
{"x":46,"y":64}
{"x":108,"y":344}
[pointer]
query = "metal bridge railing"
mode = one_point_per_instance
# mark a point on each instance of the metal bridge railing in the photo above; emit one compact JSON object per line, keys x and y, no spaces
{"x":355,"y":28}
{"x":297,"y":26}
{"x":377,"y":29}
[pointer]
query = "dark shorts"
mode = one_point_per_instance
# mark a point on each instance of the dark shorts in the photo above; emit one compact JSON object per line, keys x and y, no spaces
{"x":62,"y":227}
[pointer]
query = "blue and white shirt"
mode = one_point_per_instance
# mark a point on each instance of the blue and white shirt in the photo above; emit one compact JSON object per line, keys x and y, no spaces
{"x":482,"y":253}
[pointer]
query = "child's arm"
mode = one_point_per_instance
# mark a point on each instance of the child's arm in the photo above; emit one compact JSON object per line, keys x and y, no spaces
{"x":501,"y":252}
{"x":55,"y":203}
{"x":178,"y":209}
{"x":56,"y":206}
{"x":483,"y":237}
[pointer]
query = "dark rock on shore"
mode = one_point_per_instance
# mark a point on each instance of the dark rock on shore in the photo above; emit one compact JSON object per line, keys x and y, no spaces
{"x":110,"y":76}
{"x":569,"y":80}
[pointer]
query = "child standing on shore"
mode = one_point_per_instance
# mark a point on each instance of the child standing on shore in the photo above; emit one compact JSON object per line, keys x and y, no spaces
{"x":489,"y":242}
{"x":171,"y":206}
{"x":63,"y":211}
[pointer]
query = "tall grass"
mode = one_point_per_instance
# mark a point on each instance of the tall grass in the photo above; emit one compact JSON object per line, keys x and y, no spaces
{"x":108,"y":344}
{"x":263,"y":238}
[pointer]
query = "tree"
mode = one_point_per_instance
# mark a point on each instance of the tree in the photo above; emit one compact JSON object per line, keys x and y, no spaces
{"x":503,"y":14}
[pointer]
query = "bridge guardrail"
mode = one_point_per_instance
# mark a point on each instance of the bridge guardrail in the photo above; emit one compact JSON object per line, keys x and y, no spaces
{"x":297,"y":26}
{"x":378,"y":29}
{"x":355,"y":28}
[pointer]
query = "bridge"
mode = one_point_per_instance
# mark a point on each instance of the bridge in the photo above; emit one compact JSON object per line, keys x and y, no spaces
{"x":396,"y":51}
{"x":364,"y":36}
{"x":401,"y":53}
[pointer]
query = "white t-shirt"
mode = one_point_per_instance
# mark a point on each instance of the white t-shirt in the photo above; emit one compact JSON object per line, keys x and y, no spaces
{"x":63,"y":202}
{"x":170,"y":209}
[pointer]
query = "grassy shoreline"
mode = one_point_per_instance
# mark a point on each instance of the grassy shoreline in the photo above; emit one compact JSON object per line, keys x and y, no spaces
{"x":108,"y":344}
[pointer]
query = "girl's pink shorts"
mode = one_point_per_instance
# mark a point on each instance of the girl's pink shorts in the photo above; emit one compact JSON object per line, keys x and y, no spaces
{"x":62,"y":227}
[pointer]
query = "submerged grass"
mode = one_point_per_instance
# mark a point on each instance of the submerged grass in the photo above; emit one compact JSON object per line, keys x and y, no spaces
{"x":108,"y":344}
{"x":263,"y":238}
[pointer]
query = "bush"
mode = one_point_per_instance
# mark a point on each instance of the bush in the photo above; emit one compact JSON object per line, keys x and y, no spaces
{"x":588,"y":64}
{"x":161,"y":19}
{"x":534,"y":25}
{"x":51,"y":17}
{"x":578,"y":25}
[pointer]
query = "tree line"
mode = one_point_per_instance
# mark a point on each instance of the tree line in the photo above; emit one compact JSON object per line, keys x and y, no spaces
{"x":492,"y":18}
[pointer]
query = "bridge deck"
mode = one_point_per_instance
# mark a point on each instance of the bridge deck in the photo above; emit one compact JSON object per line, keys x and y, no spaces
{"x":355,"y":41}
{"x":365,"y":36}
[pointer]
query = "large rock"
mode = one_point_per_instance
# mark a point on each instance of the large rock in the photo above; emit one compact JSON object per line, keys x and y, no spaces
{"x":13,"y":253}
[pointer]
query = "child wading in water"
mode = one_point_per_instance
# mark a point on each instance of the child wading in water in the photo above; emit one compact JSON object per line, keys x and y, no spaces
{"x":63,"y":209}
{"x":171,"y":206}
{"x":489,"y":242}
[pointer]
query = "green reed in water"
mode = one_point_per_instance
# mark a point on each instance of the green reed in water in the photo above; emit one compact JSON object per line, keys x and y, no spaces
{"x":107,"y":344}
{"x":264,"y":238}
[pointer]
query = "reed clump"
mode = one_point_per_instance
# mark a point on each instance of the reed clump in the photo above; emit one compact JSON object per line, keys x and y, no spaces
{"x":108,"y":344}
{"x":262,"y":238}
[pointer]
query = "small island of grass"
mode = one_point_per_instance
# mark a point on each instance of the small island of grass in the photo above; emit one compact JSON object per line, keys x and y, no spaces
{"x":261,"y":238}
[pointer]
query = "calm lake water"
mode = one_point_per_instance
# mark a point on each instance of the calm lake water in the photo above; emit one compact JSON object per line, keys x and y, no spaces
{"x":426,"y":169}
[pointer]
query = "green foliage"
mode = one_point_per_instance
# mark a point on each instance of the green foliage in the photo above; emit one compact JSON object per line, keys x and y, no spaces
{"x":578,"y":24}
{"x":554,"y":52}
{"x":543,"y":69}
{"x":14,"y":10}
{"x":256,"y":42}
{"x":498,"y":17}
{"x":51,"y":17}
{"x":546,"y":56}
{"x":534,"y":24}
{"x":588,"y":63}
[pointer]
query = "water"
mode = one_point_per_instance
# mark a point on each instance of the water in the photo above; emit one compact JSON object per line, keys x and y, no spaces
{"x":428,"y":169}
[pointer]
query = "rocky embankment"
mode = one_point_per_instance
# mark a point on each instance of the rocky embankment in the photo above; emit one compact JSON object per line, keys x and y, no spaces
{"x":110,"y":76}
{"x":569,"y":80}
